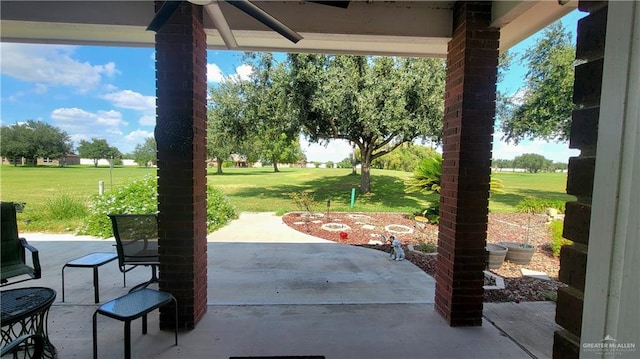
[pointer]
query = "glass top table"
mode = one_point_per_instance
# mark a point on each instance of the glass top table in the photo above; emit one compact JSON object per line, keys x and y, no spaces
{"x":25,"y":311}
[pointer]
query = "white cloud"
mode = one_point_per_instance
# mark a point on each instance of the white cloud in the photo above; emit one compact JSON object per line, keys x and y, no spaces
{"x":52,"y":65}
{"x":132,"y":100}
{"x":111,"y":118}
{"x":243,"y":72}
{"x":40,"y":89}
{"x":214,"y":74}
{"x":335,"y":151}
{"x":147,"y":120}
{"x":138,"y":136}
{"x":81,"y":124}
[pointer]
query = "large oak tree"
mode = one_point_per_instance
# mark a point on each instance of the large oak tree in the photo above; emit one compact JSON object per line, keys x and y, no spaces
{"x":97,"y":149}
{"x":376,"y":103}
{"x":33,"y":139}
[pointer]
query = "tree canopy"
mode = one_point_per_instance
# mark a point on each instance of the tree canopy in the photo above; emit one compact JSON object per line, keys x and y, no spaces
{"x":542,"y":109}
{"x":532,"y":162}
{"x":33,"y":139}
{"x":146,"y":153}
{"x":253,"y":117}
{"x":376,"y":103}
{"x":226,"y":129}
{"x":97,"y":149}
{"x":269,"y":107}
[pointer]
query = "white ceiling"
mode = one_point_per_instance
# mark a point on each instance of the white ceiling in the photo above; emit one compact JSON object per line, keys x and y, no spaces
{"x":407,"y":28}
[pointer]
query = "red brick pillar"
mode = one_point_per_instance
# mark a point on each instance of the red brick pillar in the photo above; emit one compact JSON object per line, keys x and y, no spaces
{"x":584,"y":136}
{"x":181,"y":88}
{"x":470,"y":94}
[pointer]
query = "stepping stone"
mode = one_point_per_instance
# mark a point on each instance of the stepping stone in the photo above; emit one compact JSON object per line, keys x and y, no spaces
{"x":375,"y":242}
{"x":534,"y":274}
{"x":369,"y":227}
{"x":316,"y":221}
{"x":298,"y":223}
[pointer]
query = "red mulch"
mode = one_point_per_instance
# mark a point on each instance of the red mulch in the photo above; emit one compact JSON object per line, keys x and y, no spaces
{"x":502,"y":227}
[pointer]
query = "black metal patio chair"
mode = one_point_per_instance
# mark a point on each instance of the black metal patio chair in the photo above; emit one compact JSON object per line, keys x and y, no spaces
{"x":136,"y":243}
{"x":13,"y":250}
{"x":26,"y":346}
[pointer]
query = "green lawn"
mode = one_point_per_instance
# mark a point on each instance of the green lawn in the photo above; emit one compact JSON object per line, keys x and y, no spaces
{"x":35,"y":184}
{"x":518,"y":186}
{"x":260,"y":189}
{"x":263,"y":190}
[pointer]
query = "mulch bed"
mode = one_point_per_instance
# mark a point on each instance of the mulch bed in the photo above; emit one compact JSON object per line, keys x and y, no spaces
{"x":366,"y":228}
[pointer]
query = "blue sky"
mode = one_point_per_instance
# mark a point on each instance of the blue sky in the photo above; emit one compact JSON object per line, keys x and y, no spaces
{"x":109,"y":92}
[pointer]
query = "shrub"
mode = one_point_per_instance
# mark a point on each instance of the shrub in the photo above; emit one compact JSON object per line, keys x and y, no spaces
{"x":329,"y":164}
{"x":137,"y":196}
{"x":537,"y":205}
{"x":558,"y":241}
{"x":427,"y":176}
{"x":219,"y":209}
{"x":64,"y":206}
{"x":303,"y":200}
{"x":426,"y":247}
{"x":141,"y":196}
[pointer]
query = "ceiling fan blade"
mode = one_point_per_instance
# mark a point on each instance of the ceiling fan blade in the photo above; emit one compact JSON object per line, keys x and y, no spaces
{"x":268,"y":20}
{"x":220,"y":22}
{"x":162,"y":16}
{"x":340,"y":4}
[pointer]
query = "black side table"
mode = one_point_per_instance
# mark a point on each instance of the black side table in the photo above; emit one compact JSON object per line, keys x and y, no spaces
{"x":91,"y":260}
{"x":25,"y":311}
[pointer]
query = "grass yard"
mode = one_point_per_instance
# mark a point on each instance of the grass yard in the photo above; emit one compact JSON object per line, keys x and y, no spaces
{"x":518,"y":186}
{"x":262,"y":190}
{"x":36,"y":184}
{"x":254,"y":189}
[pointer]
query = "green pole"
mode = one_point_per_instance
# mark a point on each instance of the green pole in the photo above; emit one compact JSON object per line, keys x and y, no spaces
{"x":353,"y":197}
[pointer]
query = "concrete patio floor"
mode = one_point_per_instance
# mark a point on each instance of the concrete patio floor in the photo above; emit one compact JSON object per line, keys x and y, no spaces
{"x":272,"y":291}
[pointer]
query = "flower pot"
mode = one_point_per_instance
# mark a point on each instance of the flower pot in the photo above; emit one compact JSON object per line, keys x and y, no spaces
{"x":421,"y":222}
{"x":497,"y":253}
{"x":519,"y":253}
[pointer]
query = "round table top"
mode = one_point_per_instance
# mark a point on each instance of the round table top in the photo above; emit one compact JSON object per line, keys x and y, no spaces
{"x":21,"y":303}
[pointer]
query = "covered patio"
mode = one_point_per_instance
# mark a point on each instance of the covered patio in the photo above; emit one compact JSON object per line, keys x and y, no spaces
{"x":602,"y":222}
{"x":344,"y":302}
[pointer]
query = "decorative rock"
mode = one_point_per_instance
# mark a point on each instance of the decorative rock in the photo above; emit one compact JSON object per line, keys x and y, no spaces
{"x":499,"y":281}
{"x":534,"y":274}
{"x":298,"y":223}
{"x":316,"y":221}
{"x":359,"y":216}
{"x":375,"y":242}
{"x":335,"y":227}
{"x":369,"y":227}
{"x":400,"y":229}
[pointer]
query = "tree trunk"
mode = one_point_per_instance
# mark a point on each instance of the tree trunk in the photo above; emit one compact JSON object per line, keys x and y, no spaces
{"x":365,"y":172}
{"x":353,"y":162}
{"x":365,"y":177}
{"x":219,"y":165}
{"x":275,"y":167}
{"x":95,"y":163}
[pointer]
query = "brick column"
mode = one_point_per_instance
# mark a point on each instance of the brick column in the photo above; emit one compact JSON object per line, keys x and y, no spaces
{"x":584,"y":135}
{"x":181,"y":87}
{"x":470,"y":94}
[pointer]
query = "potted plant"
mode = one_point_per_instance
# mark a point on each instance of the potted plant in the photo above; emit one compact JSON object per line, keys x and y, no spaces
{"x":521,"y":253}
{"x":497,"y":254}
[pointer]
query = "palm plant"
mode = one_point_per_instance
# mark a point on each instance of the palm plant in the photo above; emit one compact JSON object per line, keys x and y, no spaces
{"x":426,"y":177}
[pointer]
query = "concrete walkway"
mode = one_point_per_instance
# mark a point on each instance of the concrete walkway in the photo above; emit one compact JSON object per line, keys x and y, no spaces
{"x":272,"y":291}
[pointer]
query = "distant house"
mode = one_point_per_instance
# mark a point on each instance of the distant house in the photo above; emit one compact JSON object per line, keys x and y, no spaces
{"x":68,"y":159}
